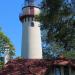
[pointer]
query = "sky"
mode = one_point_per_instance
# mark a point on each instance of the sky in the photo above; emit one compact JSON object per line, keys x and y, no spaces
{"x":10,"y":23}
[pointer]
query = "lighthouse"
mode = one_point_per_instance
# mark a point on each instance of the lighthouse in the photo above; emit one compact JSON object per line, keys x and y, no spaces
{"x":31,"y":34}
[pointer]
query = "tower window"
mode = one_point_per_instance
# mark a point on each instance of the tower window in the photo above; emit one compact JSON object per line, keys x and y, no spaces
{"x":32,"y":24}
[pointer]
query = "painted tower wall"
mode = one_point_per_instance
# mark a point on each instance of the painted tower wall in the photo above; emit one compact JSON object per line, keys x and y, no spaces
{"x":31,"y":35}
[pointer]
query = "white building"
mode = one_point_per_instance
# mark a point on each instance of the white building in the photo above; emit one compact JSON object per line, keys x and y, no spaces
{"x":31,"y":35}
{"x":6,"y":56}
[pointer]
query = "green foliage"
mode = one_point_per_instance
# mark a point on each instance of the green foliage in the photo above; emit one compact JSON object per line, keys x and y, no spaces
{"x":37,"y":17}
{"x":1,"y":64}
{"x":69,"y":54}
{"x":5,"y":41}
{"x":59,"y":24}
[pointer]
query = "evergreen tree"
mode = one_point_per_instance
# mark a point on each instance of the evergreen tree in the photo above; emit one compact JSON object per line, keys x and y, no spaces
{"x":58,"y":27}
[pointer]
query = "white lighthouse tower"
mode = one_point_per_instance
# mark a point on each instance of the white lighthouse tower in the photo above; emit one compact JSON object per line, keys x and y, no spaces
{"x":31,"y":35}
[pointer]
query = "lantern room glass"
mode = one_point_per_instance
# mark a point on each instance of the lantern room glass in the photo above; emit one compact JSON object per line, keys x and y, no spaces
{"x":32,"y":2}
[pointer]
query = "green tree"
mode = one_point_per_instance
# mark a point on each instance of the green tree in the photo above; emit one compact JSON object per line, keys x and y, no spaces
{"x":59,"y":24}
{"x":4,"y":40}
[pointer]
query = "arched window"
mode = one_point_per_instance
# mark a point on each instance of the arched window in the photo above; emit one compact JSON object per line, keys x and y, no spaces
{"x":32,"y":24}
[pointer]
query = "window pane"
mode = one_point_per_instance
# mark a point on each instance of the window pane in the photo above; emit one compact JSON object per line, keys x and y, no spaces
{"x":57,"y":71}
{"x":66,"y":70}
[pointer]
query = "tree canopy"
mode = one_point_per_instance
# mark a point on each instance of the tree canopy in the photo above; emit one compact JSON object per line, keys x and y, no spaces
{"x":59,"y":24}
{"x":5,"y":41}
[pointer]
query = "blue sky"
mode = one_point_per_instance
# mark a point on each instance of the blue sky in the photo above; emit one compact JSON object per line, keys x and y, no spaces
{"x":9,"y":21}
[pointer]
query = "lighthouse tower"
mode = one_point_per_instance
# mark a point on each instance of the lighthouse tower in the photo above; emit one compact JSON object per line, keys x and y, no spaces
{"x":31,"y":35}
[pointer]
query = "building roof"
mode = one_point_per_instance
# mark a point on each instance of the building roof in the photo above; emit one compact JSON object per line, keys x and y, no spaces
{"x":33,"y":66}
